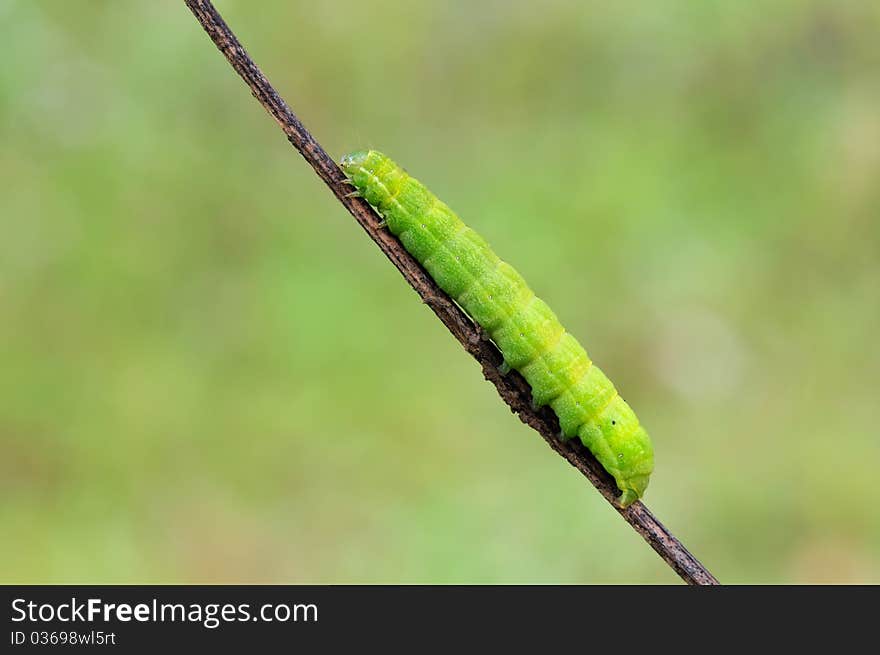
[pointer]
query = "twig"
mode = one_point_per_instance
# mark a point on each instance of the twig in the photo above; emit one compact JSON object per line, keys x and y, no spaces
{"x":512,"y":387}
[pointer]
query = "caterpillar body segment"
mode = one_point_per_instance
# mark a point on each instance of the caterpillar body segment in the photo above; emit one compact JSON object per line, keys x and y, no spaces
{"x":524,"y":328}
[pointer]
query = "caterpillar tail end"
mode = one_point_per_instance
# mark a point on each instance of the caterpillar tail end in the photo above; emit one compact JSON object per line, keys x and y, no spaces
{"x":631,"y":489}
{"x":627,"y":498}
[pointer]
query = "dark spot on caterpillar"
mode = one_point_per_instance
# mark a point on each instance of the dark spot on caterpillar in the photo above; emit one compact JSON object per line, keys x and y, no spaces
{"x":613,"y":422}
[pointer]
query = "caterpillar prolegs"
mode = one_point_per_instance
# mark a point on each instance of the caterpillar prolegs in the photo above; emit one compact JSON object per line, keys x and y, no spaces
{"x":523,"y":327}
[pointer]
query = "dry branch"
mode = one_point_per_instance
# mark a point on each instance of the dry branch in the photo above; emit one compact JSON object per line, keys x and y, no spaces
{"x":511,"y":387}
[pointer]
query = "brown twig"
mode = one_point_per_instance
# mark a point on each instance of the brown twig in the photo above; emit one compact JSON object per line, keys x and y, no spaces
{"x":512,"y":387}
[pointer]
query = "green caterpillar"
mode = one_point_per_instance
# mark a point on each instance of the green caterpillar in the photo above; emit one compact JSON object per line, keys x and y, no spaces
{"x":523,"y":327}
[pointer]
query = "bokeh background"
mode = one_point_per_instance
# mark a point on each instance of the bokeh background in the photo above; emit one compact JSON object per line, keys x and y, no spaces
{"x":210,"y":374}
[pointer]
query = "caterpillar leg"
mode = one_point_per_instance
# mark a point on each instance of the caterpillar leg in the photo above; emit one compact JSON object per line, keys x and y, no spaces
{"x":504,"y":368}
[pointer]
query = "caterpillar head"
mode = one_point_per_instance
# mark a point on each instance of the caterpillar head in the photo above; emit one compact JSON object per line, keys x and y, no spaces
{"x":360,"y":166}
{"x":353,"y":160}
{"x":376,"y":177}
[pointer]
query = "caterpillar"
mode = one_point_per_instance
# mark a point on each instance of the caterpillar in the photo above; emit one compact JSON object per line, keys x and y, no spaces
{"x":525,"y":329}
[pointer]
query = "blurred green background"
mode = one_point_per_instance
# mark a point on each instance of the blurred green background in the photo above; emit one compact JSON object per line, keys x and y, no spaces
{"x":210,"y":374}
